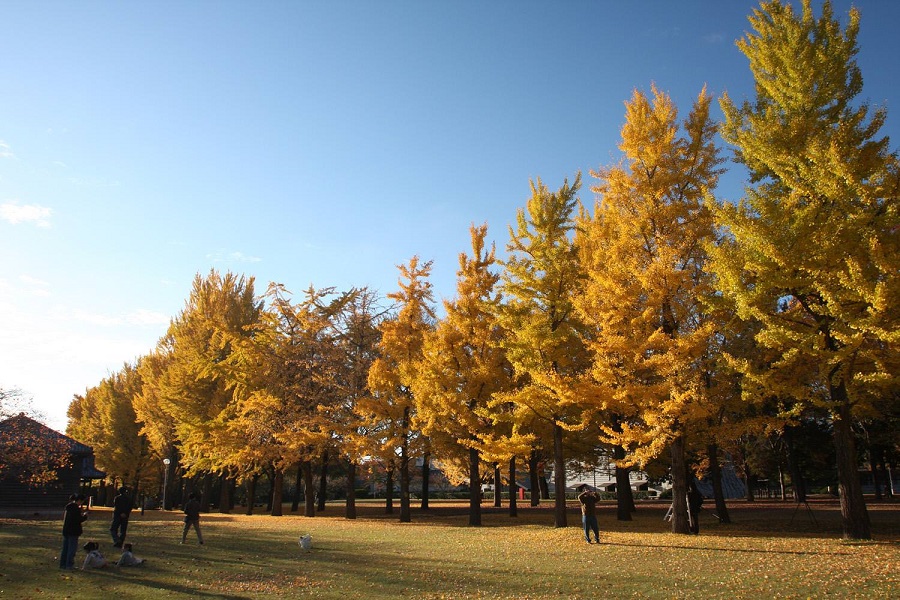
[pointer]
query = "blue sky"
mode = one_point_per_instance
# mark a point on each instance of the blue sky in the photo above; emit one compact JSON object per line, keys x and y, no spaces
{"x":304,"y":143}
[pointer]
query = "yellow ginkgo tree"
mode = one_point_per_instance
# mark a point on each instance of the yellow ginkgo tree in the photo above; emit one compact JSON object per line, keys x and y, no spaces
{"x":390,"y":406}
{"x":462,"y":367}
{"x":195,"y":388}
{"x":545,"y":337}
{"x":813,"y":250}
{"x":643,"y":258}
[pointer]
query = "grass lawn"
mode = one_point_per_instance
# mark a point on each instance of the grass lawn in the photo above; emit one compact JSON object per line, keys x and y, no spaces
{"x":772,"y":550}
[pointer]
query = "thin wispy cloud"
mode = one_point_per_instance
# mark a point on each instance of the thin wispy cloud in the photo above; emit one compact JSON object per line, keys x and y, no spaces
{"x":147,"y":317}
{"x":239,"y":257}
{"x":96,"y":182}
{"x":15,"y":213}
{"x":33,"y":281}
{"x":36,"y":287}
{"x":5,"y":150}
{"x":140,"y":316}
{"x":714,"y":38}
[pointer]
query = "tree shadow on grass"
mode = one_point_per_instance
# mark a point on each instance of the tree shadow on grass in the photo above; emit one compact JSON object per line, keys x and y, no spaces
{"x":134,"y":577}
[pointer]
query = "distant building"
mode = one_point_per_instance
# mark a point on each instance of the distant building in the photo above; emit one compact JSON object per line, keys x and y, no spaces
{"x":603,"y":478}
{"x":73,"y":478}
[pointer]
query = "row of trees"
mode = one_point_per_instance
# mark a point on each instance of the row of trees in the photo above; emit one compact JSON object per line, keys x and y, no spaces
{"x":663,"y":323}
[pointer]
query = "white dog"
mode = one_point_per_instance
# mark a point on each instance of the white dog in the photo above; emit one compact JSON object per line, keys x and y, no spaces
{"x":306,"y":542}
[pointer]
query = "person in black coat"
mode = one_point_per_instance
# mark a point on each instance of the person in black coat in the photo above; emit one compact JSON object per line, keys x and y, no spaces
{"x":74,"y":516}
{"x":694,"y":501}
{"x":192,"y":517}
{"x":121,"y":511}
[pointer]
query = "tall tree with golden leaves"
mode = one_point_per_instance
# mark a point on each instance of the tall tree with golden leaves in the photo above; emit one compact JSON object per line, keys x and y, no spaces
{"x":195,"y":387}
{"x":391,"y":407}
{"x":285,"y":378}
{"x":463,"y":366}
{"x":156,"y":423}
{"x":357,"y":343}
{"x":105,"y":419}
{"x":643,"y":257}
{"x":815,"y":244}
{"x":545,"y":340}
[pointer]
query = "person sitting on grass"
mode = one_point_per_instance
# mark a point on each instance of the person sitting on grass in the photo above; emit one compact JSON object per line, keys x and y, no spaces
{"x":93,"y":560}
{"x":128,"y":559}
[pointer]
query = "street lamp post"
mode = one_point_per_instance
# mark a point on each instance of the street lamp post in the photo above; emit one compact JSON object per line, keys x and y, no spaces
{"x":166,"y":462}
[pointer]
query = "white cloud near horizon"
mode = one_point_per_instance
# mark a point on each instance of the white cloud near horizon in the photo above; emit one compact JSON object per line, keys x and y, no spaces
{"x":33,"y":281}
{"x":137,"y":317}
{"x":51,"y":351}
{"x":14,"y":213}
{"x":36,"y":287}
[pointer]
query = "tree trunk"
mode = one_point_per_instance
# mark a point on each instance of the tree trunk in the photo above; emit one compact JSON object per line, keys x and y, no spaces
{"x":277,"y":492}
{"x":498,"y":486}
{"x":854,"y":517}
{"x":323,"y":483}
{"x":251,"y":493}
{"x":405,"y":514}
{"x":224,"y":494}
{"x":749,"y":481}
{"x":474,"y":488}
{"x":350,"y":509}
{"x":533,"y":478}
{"x":173,"y":497}
{"x":624,"y":500}
{"x":309,"y":494}
{"x":544,"y":487}
{"x":389,"y":492}
{"x":513,"y":488}
{"x":889,"y":468}
{"x":630,"y":496}
{"x":298,"y":490}
{"x":715,"y":474}
{"x":559,"y":477}
{"x":798,"y":483}
{"x":781,"y":490}
{"x":206,"y":497}
{"x":426,"y":480}
{"x":876,"y":460}
{"x":680,"y":522}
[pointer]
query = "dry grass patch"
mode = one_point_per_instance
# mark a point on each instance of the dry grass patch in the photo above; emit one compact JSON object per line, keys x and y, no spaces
{"x":770,"y":551}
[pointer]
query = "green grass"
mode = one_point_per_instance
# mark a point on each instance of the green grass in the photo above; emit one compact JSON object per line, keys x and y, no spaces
{"x":771,"y":551}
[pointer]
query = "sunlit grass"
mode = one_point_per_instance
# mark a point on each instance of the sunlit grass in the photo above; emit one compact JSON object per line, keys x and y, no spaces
{"x":771,"y":551}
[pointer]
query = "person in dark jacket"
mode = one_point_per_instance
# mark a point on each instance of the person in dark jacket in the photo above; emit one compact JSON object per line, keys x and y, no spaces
{"x":588,"y":499}
{"x":192,"y":517}
{"x":74,"y":516}
{"x":694,"y":501}
{"x":121,"y":512}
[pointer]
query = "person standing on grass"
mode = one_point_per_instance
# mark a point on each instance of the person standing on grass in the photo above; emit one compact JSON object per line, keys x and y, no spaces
{"x":589,"y":499}
{"x":192,"y":517}
{"x":694,"y":501}
{"x":72,"y":530}
{"x":121,"y":512}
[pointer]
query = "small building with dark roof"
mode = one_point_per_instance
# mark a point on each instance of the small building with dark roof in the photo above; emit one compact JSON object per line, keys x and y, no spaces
{"x":73,"y":478}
